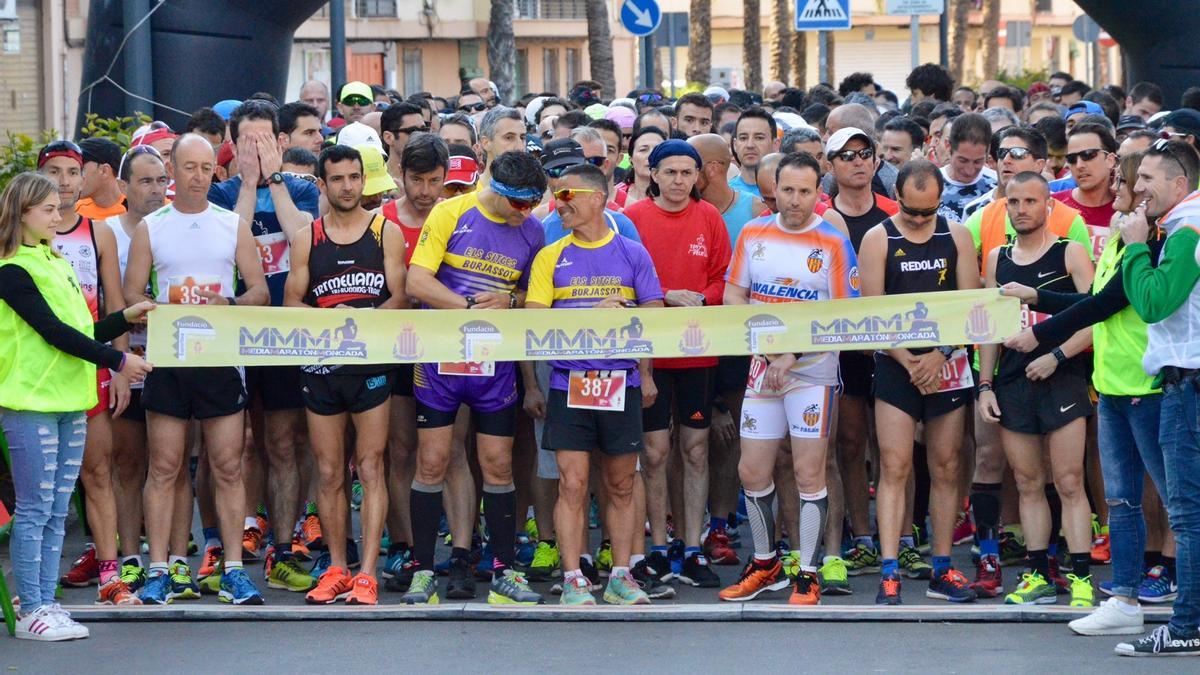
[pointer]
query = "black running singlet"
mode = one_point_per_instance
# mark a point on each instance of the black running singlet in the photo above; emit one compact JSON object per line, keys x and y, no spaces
{"x":1048,"y":272}
{"x":927,"y":267}
{"x":857,"y":226}
{"x":347,"y":274}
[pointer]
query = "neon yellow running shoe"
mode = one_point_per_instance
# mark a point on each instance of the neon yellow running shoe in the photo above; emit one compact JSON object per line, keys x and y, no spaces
{"x":1033,"y":590}
{"x":1082,"y":594}
{"x":834,"y":580}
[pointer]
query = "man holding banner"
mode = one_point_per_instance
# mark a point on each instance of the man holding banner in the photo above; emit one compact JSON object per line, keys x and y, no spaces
{"x":474,"y":253}
{"x":595,"y":404}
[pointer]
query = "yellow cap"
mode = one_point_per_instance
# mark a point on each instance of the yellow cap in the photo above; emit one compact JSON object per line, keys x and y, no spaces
{"x":375,"y":173}
{"x":357,"y":89}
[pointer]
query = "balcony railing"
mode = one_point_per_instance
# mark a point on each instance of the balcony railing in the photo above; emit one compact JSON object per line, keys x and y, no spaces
{"x":551,"y":9}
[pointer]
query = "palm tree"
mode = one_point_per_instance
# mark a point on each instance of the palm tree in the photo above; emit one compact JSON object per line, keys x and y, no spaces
{"x":752,"y":44}
{"x":991,"y":41}
{"x":600,"y":46}
{"x":800,"y":59}
{"x":781,"y":41}
{"x":502,"y":49}
{"x":959,"y":13}
{"x":699,"y":68}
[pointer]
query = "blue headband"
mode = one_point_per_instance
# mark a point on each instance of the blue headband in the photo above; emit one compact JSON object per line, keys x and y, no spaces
{"x":673,"y":148}
{"x":515,"y":193}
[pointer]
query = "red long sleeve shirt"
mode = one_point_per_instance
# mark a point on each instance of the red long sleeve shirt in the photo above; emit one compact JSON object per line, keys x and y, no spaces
{"x":690,"y":250}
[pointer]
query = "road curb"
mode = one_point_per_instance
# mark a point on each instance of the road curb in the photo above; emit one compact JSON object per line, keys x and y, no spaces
{"x":703,"y":612}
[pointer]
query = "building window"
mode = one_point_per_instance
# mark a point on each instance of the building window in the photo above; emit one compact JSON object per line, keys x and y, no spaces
{"x":521,"y":76}
{"x":375,"y":8}
{"x":1043,"y":6}
{"x":551,"y":9}
{"x":412,"y":72}
{"x":573,"y":66}
{"x":550,"y":70}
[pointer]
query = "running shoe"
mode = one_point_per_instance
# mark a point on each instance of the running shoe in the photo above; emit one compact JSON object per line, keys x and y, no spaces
{"x":1111,"y":617}
{"x":951,"y":586}
{"x":287,"y":575}
{"x":576,"y":592}
{"x":604,"y":561}
{"x":356,"y":495}
{"x":1012,"y":549}
{"x":1061,"y":585}
{"x":134,"y":577}
{"x":922,"y":538}
{"x":364,"y":590}
{"x":913,"y":565}
{"x":648,"y":579}
{"x":622,"y":589}
{"x":85,"y":571}
{"x":395,"y":563}
{"x":806,"y":590}
{"x":834,"y":578}
{"x":510,"y":588}
{"x":589,"y":570}
{"x":524,"y":550}
{"x":400,"y":582}
{"x":1033,"y":590}
{"x":989,"y":580}
{"x":444,"y":529}
{"x":212,"y":556}
{"x":675,"y":552}
{"x":334,"y":585}
{"x":182,"y":585}
{"x":531,"y":528}
{"x":1101,"y":546}
{"x":659,"y":565}
{"x":697,"y":572}
{"x":1162,"y":642}
{"x":486,"y":565}
{"x":719,"y":549}
{"x":758,"y":577}
{"x":422,"y":590}
{"x":211,"y":584}
{"x":238,"y":589}
{"x":157,"y":590}
{"x":1158,"y":587}
{"x":782,"y":546}
{"x":889,"y":590}
{"x":460,"y":585}
{"x":299,"y":550}
{"x":862,"y":559}
{"x":310,"y":532}
{"x":252,"y":539}
{"x":1082,"y":594}
{"x":964,"y":528}
{"x":115,"y":592}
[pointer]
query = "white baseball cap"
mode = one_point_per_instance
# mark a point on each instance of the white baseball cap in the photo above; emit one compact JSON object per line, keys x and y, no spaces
{"x":841,"y":137}
{"x":357,"y":133}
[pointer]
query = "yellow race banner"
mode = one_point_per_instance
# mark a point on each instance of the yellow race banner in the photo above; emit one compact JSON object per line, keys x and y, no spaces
{"x":193,"y":335}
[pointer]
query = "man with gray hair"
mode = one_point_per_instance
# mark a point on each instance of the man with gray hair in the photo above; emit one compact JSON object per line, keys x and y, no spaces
{"x":502,"y":130}
{"x":1001,"y":119}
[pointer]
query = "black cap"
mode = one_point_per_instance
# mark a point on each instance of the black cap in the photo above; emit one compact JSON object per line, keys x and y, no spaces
{"x":1130,"y":122}
{"x":561,"y":152}
{"x":1184,"y":120}
{"x":101,"y":151}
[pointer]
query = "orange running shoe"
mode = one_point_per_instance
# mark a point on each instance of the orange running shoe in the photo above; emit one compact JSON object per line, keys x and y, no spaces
{"x":299,"y":550}
{"x":212,"y":556}
{"x":1102,"y":548}
{"x":364,"y":590}
{"x":310,"y":532}
{"x":252,"y":538}
{"x":115,"y":592}
{"x":760,"y":576}
{"x":333,"y":585}
{"x":807,"y":590}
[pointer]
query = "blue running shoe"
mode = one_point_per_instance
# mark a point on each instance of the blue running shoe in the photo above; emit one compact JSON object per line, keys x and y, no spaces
{"x":524,"y":553}
{"x":157,"y":590}
{"x":237,"y":588}
{"x":395,"y":563}
{"x":1106,"y":588}
{"x":321,"y":564}
{"x":443,"y":528}
{"x":1159,"y":586}
{"x":675,"y":556}
{"x":352,"y":560}
{"x":484,"y":568}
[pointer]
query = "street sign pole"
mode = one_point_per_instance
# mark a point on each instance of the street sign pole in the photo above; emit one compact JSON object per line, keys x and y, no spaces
{"x":822,"y":55}
{"x":914,"y":27}
{"x":641,"y":18}
{"x":671,"y":49}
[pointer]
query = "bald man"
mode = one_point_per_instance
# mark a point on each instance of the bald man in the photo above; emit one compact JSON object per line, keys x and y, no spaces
{"x":773,"y":91}
{"x":374,"y":120}
{"x":736,"y":207}
{"x":483,"y":88}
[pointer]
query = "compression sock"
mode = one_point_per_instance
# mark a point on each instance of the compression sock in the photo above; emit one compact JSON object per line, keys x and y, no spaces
{"x":426,"y":507}
{"x":811,"y":528}
{"x":499,"y":511}
{"x":985,"y":505}
{"x":762,"y":521}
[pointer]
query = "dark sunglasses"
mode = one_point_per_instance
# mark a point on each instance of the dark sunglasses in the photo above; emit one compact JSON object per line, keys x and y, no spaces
{"x":1016,"y":153}
{"x":523,"y":204}
{"x":918,"y":213}
{"x":357,"y":101}
{"x":472,"y":107}
{"x":849,"y":155}
{"x":1085,"y":155}
{"x":596,"y":161}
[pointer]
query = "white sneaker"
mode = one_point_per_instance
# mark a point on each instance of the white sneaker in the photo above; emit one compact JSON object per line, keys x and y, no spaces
{"x":44,"y":625}
{"x":64,"y":618}
{"x":1109,"y":619}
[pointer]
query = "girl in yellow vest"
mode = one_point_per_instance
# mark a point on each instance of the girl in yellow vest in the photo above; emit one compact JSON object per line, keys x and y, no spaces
{"x":47,"y":383}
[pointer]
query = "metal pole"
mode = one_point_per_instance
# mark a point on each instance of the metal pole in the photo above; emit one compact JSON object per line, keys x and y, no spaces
{"x":822,"y":55}
{"x":914,"y":27}
{"x":643,"y":59}
{"x":944,"y":40}
{"x":671,"y":47}
{"x":139,"y":72}
{"x":337,"y":45}
{"x":1097,"y":54}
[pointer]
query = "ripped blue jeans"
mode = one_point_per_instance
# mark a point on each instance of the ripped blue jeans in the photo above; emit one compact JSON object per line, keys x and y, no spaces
{"x":47,"y":454}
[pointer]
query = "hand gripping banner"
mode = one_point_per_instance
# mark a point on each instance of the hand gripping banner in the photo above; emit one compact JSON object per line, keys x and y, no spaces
{"x":193,"y":335}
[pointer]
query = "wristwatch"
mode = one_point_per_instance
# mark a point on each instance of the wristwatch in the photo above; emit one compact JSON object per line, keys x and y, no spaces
{"x":471,"y":301}
{"x":276,"y":178}
{"x":1059,"y":355}
{"x":231,"y":300}
{"x":512,"y":300}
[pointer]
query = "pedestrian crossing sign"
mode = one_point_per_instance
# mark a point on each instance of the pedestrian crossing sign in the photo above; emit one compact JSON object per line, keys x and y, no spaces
{"x":822,"y":15}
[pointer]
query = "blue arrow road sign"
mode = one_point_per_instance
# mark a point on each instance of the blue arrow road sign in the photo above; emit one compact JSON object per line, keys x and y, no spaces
{"x":641,"y":17}
{"x":822,"y":15}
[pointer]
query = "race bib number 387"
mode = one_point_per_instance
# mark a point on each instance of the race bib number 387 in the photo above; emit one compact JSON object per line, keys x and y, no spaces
{"x":596,"y":390}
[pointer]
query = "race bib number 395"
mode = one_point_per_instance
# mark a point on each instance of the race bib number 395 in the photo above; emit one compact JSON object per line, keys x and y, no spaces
{"x":596,"y":390}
